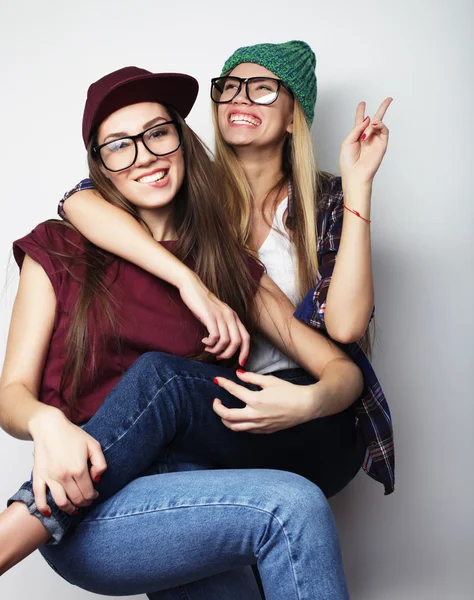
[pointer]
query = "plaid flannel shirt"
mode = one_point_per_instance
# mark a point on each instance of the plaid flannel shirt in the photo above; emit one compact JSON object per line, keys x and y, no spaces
{"x":374,"y":422}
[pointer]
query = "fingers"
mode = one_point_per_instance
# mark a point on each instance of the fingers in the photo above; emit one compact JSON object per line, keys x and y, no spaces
{"x":245,"y":345}
{"x":233,"y":415}
{"x":262,"y":381}
{"x":213,"y":333}
{"x":235,"y":338}
{"x":39,"y":491}
{"x":377,"y":126}
{"x":357,"y":131}
{"x":61,"y":499}
{"x":244,"y":426}
{"x":379,"y":115}
{"x":231,"y":335}
{"x":360,"y":113}
{"x":84,"y":485}
{"x":59,"y":494}
{"x":239,"y":391}
{"x":97,"y":460}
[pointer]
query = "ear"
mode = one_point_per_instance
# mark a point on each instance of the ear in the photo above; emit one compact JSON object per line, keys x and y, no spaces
{"x":289,"y":128}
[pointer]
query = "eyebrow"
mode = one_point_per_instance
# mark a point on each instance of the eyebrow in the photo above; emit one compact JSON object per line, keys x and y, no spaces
{"x":120,"y":134}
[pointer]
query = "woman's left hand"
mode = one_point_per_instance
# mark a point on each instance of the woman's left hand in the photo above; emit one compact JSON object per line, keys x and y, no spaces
{"x":278,"y":405}
{"x":363,"y":149}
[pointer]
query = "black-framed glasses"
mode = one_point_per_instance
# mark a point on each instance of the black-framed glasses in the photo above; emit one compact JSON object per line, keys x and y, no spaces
{"x":259,"y":90}
{"x":120,"y":154}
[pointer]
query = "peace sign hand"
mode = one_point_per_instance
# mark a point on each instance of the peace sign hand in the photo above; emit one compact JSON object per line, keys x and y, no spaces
{"x":364,"y":148}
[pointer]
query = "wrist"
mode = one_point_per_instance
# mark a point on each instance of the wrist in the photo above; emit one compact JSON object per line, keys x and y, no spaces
{"x":42,"y":417}
{"x":183,"y":276}
{"x":314,"y":396}
{"x":353,"y":183}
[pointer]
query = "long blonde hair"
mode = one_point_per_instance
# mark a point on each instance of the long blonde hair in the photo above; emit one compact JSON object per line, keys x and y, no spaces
{"x":299,"y":167}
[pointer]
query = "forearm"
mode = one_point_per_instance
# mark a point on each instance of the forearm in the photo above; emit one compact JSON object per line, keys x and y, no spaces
{"x":340,"y":385}
{"x":350,"y":297}
{"x":307,"y":347}
{"x":114,"y":230}
{"x":20,"y":411}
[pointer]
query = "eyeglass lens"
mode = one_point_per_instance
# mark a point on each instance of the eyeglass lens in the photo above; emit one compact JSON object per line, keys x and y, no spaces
{"x":260,"y":89}
{"x":121,"y":154}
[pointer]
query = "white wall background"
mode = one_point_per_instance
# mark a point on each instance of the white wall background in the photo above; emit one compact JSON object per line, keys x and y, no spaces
{"x":419,"y":542}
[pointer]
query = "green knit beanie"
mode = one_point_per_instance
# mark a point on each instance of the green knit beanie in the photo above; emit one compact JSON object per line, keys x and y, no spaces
{"x":293,"y":62}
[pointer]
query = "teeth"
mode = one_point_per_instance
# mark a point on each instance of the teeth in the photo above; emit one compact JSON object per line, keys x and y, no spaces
{"x":153,"y":178}
{"x":244,"y":119}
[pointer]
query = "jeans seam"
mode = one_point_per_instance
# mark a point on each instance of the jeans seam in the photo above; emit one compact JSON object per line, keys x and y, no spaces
{"x":140,"y":415}
{"x":230,"y":504}
{"x":149,"y":404}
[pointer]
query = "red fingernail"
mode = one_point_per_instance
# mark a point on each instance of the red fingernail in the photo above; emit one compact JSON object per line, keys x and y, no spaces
{"x":75,"y":512}
{"x":97,"y":478}
{"x":375,"y":124}
{"x":218,"y":358}
{"x":242,"y":364}
{"x":215,"y":381}
{"x":47,"y":513}
{"x":240,"y":371}
{"x":362,"y":137}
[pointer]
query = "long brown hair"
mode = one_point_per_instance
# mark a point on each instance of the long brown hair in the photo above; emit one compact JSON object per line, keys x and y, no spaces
{"x":204,"y":241}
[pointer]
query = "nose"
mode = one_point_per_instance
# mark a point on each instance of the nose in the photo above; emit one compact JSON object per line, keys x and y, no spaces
{"x":241,"y":97}
{"x":144,"y":156}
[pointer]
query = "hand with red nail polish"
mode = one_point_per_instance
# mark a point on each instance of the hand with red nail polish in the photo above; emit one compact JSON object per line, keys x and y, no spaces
{"x":62,"y":455}
{"x":359,"y":162}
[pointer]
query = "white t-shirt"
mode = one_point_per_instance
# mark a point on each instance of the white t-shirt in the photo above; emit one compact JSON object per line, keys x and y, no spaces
{"x":278,"y":254}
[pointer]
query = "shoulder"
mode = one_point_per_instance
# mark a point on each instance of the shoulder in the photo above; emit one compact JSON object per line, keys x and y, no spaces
{"x":54,"y":236}
{"x":52,"y":244}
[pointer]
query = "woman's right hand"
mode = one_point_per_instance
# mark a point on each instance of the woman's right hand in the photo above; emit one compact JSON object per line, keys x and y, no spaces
{"x":61,"y":454}
{"x":226,"y":331}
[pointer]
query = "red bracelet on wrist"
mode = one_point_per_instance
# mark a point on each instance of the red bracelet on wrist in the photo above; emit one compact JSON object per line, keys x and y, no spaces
{"x":357,"y":214}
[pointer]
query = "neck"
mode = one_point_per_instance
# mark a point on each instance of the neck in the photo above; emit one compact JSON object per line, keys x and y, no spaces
{"x":263,"y":168}
{"x":159,"y":221}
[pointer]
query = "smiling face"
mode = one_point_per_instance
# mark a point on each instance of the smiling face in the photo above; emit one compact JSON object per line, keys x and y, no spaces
{"x":152,"y":181}
{"x":245,"y":124}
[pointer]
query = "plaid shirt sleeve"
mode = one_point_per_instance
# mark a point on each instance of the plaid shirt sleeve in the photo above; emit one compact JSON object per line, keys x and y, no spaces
{"x":85,"y":184}
{"x":330,"y":215}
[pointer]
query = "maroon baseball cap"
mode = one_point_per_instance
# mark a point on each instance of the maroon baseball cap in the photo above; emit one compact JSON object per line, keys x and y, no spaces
{"x":131,"y":85}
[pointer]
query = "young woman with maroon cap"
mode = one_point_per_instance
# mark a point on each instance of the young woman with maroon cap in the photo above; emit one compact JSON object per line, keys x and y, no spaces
{"x":91,"y":316}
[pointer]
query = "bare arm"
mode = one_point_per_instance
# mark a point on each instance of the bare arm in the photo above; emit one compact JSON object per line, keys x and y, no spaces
{"x":309,"y":348}
{"x":350,"y":297}
{"x":30,"y":331}
{"x":280,"y":404}
{"x":114,"y":230}
{"x":61,"y":448}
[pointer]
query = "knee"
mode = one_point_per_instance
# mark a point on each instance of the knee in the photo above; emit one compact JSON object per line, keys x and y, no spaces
{"x":153,"y":364}
{"x":300,"y":498}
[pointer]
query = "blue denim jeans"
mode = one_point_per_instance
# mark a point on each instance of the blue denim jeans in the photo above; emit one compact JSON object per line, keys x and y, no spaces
{"x":166,"y":531}
{"x":162,"y":411}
